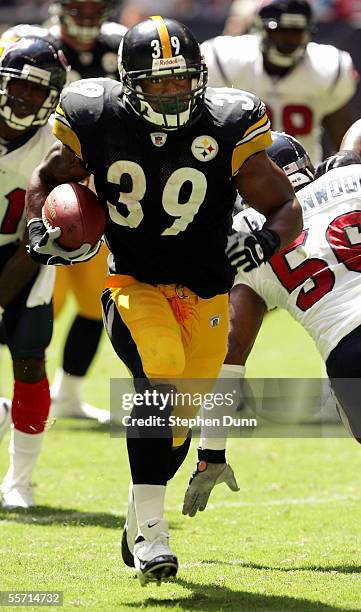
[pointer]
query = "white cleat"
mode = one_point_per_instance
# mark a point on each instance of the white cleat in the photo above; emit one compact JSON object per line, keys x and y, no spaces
{"x":130,"y":531}
{"x":153,"y":559}
{"x":20,"y":496}
{"x":76,"y":409}
{"x":5,"y":409}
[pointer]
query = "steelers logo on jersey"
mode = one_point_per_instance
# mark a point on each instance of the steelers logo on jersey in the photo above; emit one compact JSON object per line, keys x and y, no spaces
{"x":204,"y":148}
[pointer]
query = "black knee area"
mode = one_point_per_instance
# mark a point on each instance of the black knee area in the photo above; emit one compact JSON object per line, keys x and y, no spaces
{"x":81,"y":345}
{"x":29,"y":371}
{"x":149,"y":437}
{"x":178,"y":455}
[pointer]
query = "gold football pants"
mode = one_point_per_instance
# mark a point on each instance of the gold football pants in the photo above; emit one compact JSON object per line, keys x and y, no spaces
{"x":167,"y":332}
{"x":85,"y":281}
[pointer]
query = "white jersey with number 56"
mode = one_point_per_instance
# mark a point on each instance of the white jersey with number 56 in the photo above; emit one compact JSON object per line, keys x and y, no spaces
{"x":322,"y":82}
{"x":16,"y":167}
{"x":317,"y":278}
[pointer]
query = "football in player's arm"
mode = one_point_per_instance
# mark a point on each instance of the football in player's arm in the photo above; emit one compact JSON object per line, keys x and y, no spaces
{"x":327,"y":254}
{"x":168,"y":156}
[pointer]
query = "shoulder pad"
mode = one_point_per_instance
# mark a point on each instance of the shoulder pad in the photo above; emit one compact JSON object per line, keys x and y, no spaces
{"x":234,"y":108}
{"x":242,"y":49}
{"x":14,"y":34}
{"x":83,"y":101}
{"x":326,"y":60}
{"x":23,"y":29}
{"x":111,"y":34}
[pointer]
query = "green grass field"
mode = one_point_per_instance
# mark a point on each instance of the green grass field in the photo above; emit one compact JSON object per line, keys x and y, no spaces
{"x":289,"y":540}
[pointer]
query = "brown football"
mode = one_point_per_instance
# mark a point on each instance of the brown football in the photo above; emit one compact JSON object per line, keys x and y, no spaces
{"x":78,"y":212}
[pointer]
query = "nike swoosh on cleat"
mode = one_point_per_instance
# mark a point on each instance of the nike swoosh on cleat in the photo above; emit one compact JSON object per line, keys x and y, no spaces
{"x":150,"y":525}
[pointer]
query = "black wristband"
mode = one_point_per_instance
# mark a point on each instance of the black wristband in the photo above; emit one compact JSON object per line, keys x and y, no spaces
{"x":269,"y":241}
{"x":211,"y":456}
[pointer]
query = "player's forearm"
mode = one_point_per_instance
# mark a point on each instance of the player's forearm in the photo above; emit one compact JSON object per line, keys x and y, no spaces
{"x":59,"y":166}
{"x":38,"y":190}
{"x":286,"y":221}
{"x":246,"y":311}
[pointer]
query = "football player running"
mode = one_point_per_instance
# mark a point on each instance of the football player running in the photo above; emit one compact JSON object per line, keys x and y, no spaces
{"x":31,"y":77}
{"x":306,"y":86}
{"x":169,"y":158}
{"x":316,"y":279}
{"x":90,"y":42}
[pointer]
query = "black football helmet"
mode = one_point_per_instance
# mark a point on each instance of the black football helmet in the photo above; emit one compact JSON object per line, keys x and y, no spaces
{"x":31,"y":60}
{"x":338,"y":160}
{"x":157,"y":48}
{"x":284,"y":15}
{"x":294,"y":160}
{"x":82,"y":19}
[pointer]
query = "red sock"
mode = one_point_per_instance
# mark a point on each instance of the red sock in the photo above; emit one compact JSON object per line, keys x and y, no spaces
{"x":30,"y":406}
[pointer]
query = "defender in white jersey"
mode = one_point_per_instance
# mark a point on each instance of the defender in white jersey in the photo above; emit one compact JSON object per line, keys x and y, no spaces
{"x":31,"y":78}
{"x":306,"y":86}
{"x":82,"y":31}
{"x":316,"y":279}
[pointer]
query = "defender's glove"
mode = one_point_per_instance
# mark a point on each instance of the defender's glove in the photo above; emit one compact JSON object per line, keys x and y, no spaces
{"x":43,"y":248}
{"x":248,"y":251}
{"x":204,"y":478}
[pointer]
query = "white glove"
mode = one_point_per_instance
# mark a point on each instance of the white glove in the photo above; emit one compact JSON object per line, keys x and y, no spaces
{"x":204,"y":478}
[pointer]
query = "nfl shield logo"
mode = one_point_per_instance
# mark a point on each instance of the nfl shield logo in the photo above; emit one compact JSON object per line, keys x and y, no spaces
{"x":158,"y":138}
{"x":214,"y":321}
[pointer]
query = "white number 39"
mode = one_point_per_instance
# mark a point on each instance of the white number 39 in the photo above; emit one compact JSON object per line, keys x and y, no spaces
{"x":184,"y":212}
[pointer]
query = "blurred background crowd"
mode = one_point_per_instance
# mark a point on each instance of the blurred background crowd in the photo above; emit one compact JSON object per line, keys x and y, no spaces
{"x":338,"y":21}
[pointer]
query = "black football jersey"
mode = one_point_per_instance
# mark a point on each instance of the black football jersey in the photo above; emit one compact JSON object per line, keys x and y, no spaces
{"x":169,"y":195}
{"x":100,"y":61}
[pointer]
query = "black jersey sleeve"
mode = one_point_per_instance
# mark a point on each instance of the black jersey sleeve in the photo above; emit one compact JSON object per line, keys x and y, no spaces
{"x":242,"y":118}
{"x":80,"y":111}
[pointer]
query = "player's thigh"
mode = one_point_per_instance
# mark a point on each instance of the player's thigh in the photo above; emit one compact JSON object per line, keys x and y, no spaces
{"x":86,"y":281}
{"x":206,"y":352}
{"x":204,"y":359}
{"x":344,"y":370}
{"x":143,"y":330}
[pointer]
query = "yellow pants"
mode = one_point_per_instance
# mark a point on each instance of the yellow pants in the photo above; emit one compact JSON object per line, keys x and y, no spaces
{"x":175,"y":335}
{"x":85,"y":281}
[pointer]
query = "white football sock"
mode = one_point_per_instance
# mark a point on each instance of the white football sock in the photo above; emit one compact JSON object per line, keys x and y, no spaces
{"x":149,"y":502}
{"x":66,"y":386}
{"x":24,"y":451}
{"x":209,"y":434}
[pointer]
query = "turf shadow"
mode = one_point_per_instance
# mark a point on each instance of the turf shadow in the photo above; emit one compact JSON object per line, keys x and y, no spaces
{"x":220,"y":598}
{"x":46,"y":515}
{"x":336,"y":569}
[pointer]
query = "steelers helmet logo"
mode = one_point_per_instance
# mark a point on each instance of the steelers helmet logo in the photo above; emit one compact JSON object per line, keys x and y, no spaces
{"x":204,"y":148}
